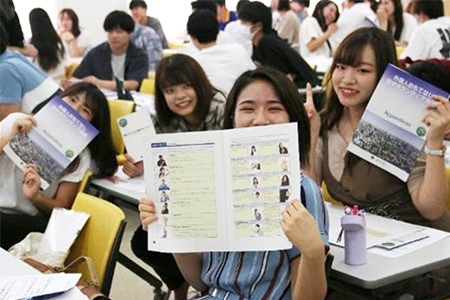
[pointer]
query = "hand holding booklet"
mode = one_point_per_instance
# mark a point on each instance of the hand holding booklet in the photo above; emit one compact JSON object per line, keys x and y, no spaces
{"x":222,"y":190}
{"x":57,"y":139}
{"x":391,"y":132}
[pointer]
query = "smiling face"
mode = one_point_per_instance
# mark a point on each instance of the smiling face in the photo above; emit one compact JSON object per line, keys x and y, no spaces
{"x":258,"y":105}
{"x":329,"y":13}
{"x":181,"y":100}
{"x":65,"y":22}
{"x":354,"y":85}
{"x":139,"y":14}
{"x":78,"y":103}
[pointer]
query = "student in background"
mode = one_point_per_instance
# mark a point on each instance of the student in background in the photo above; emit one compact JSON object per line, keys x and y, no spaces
{"x":51,"y":56}
{"x":300,"y":7}
{"x":431,"y":38}
{"x":316,"y":30}
{"x":76,"y":41}
{"x":139,"y":12}
{"x":287,"y":25}
{"x":115,"y":58}
{"x":222,"y":63}
{"x":224,"y":16}
{"x":398,"y":23}
{"x":269,"y":50}
{"x":147,"y":39}
{"x":22,"y":86}
{"x":23,"y":206}
{"x":185,"y":101}
{"x":358,"y":65}
{"x":262,"y":97}
{"x":238,"y":32}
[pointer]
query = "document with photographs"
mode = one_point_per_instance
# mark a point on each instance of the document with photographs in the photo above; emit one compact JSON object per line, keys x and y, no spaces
{"x":222,"y":190}
{"x":134,"y":128}
{"x":391,"y":133}
{"x":57,"y":139}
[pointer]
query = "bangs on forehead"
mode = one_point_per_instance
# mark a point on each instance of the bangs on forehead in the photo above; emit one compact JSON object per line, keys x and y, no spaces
{"x":172,"y":77}
{"x":351,"y":54}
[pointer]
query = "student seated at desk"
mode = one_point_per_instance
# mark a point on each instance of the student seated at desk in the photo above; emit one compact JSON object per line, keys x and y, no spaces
{"x":358,"y":65}
{"x":263,"y":97}
{"x":117,"y":57}
{"x":23,"y":206}
{"x":185,"y":101}
{"x":76,"y":40}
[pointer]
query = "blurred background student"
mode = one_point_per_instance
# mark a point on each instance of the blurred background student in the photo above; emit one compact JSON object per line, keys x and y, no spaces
{"x":76,"y":40}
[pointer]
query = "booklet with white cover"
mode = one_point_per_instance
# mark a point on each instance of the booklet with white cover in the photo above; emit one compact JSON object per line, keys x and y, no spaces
{"x":57,"y":139}
{"x":391,"y":133}
{"x":222,"y":190}
{"x":134,"y":128}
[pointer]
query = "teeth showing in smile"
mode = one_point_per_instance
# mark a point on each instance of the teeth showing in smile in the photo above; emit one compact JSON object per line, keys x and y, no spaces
{"x":183,"y":104}
{"x":348,"y":91}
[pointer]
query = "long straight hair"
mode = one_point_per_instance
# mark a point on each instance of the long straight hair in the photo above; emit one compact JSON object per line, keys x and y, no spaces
{"x":45,"y":39}
{"x":398,"y":20}
{"x":349,"y":53}
{"x":101,"y":147}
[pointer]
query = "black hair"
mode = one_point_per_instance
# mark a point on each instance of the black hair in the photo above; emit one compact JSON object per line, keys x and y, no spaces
{"x":256,"y":12}
{"x":3,"y":39}
{"x":288,"y":95}
{"x":75,"y":22}
{"x":221,"y":2}
{"x":349,"y":53}
{"x":203,"y":26}
{"x":240,"y":5}
{"x":205,"y":4}
{"x":431,"y":72}
{"x":318,"y":13}
{"x":118,"y":19}
{"x":433,"y":9}
{"x":355,"y":1}
{"x":45,"y":39}
{"x":181,"y":69}
{"x":283,"y":5}
{"x":101,"y":147}
{"x":137,"y":3}
{"x":305,"y":3}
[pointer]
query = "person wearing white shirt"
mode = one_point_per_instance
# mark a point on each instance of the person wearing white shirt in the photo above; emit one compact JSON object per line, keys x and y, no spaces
{"x":76,"y":41}
{"x":222,"y":63}
{"x":353,"y":16}
{"x":316,"y":30}
{"x":431,"y":39}
{"x":393,"y":20}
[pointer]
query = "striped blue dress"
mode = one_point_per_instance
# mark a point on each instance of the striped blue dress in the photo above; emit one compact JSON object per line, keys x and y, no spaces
{"x":265,"y":274}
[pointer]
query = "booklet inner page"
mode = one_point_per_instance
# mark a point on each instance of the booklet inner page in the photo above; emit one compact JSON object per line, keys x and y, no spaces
{"x":263,"y":176}
{"x":184,"y":177}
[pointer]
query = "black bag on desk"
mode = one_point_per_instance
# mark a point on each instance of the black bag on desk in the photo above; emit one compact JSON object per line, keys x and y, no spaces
{"x":122,"y":93}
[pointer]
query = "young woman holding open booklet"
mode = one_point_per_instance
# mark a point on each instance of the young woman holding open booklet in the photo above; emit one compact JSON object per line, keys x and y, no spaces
{"x":263,"y":97}
{"x":25,"y":207}
{"x":358,"y":65}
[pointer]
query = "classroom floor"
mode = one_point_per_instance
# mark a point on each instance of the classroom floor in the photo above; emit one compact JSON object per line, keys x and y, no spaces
{"x":126,"y":285}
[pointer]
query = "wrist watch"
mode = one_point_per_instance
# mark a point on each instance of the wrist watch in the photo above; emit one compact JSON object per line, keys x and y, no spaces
{"x":440,"y":152}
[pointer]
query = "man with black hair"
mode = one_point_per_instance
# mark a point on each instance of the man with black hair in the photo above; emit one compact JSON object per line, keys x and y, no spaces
{"x":210,"y":5}
{"x":431,"y":39}
{"x":139,"y":13}
{"x":116,"y":58}
{"x":222,"y":63}
{"x":269,"y":50}
{"x":22,"y":85}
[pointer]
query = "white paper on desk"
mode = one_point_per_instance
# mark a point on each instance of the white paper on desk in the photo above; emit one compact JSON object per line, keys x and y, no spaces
{"x":62,"y":229}
{"x":378,"y":229}
{"x":208,"y":200}
{"x":57,"y":139}
{"x":434,"y":235}
{"x":20,"y":287}
{"x":136,"y":128}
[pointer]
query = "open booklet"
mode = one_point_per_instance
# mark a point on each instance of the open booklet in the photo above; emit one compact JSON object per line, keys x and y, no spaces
{"x":57,"y":139}
{"x":391,"y":133}
{"x":222,"y":190}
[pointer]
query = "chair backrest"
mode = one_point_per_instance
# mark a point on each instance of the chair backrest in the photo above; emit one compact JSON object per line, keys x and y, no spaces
{"x":100,"y":238}
{"x":119,"y":108}
{"x":70,"y":69}
{"x":148,"y":86}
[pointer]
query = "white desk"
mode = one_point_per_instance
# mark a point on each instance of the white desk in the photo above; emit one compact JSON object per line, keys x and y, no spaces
{"x":378,"y":272}
{"x":12,"y":266}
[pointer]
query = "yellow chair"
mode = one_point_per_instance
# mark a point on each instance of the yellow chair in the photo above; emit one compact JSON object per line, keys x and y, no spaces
{"x":70,"y":69}
{"x":148,"y":86}
{"x":119,"y":108}
{"x":100,"y":238}
{"x":326,"y":195}
{"x":85,"y":181}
